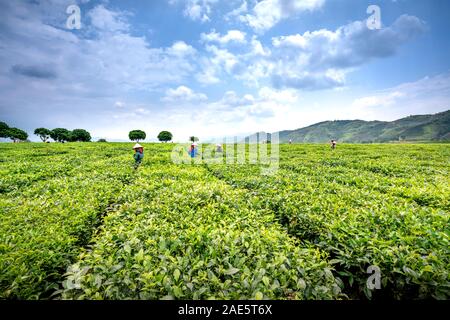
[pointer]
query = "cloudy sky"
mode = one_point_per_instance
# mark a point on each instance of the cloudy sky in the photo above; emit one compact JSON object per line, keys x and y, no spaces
{"x":216,"y":68}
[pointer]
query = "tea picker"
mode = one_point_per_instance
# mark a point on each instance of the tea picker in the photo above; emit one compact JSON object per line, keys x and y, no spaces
{"x":193,"y":150}
{"x":333,"y":144}
{"x":138,"y":155}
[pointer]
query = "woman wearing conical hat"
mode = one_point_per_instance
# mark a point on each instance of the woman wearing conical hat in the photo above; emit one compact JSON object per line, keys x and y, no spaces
{"x":138,"y":155}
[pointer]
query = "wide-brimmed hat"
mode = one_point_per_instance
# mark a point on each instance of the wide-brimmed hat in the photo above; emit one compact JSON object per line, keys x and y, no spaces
{"x":137,"y":145}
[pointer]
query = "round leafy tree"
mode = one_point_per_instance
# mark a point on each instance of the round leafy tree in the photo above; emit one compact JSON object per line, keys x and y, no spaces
{"x":43,"y":133}
{"x":4,"y":130}
{"x":137,"y":135}
{"x":80,"y":135}
{"x":193,"y":139}
{"x":165,"y":136}
{"x":16,"y":134}
{"x":60,"y":134}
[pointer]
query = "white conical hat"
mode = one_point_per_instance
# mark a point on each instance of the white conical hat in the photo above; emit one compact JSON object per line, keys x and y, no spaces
{"x":137,"y":145}
{"x":195,"y":144}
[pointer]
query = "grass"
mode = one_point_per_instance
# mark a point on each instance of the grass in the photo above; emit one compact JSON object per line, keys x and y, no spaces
{"x":78,"y":222}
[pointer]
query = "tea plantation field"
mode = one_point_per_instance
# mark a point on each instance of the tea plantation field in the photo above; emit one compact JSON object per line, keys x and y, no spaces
{"x":78,"y":222}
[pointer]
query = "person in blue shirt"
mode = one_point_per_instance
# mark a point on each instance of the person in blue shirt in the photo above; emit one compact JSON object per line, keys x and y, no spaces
{"x":193,"y":150}
{"x":138,"y":155}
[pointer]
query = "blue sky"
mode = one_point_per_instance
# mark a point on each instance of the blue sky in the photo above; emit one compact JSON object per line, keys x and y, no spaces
{"x":216,"y":68}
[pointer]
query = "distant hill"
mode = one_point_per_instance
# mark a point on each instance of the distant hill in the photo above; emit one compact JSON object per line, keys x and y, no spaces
{"x":434,"y":127}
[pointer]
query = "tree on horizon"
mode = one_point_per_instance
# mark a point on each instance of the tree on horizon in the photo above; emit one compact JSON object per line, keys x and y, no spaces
{"x":43,"y":133}
{"x":165,"y":136}
{"x":17,"y":134}
{"x":4,"y":130}
{"x":80,"y":135}
{"x":60,"y":134}
{"x":137,"y":135}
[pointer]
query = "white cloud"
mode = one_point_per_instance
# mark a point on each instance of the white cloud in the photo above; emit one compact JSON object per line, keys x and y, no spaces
{"x":126,"y":62}
{"x":241,"y":112}
{"x":295,"y":40}
{"x":258,"y":49}
{"x":183,"y":93}
{"x":107,"y":20}
{"x":119,"y":104}
{"x":223,"y":57}
{"x":427,"y":95}
{"x":267,"y":13}
{"x":307,"y":80}
{"x":221,"y":60}
{"x":105,"y":63}
{"x":257,"y":70}
{"x":231,"y":99}
{"x":142,"y":111}
{"x":266,"y":104}
{"x":180,"y":48}
{"x":105,"y":81}
{"x":80,"y":78}
{"x":382,"y":100}
{"x":197,"y":10}
{"x":352,"y":44}
{"x":321,"y":59}
{"x":209,"y":74}
{"x":237,"y":12}
{"x":281,"y":96}
{"x":231,"y":36}
{"x":272,"y":110}
{"x":314,"y":60}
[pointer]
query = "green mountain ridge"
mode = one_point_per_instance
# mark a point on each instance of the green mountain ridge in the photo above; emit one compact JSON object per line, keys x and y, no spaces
{"x":431,"y":127}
